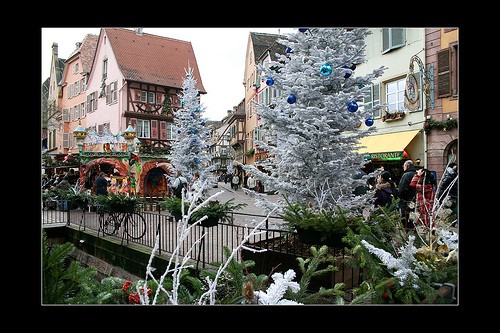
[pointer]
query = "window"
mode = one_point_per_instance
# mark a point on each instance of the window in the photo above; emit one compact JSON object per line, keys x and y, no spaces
{"x":170,"y":130}
{"x":92,"y":102}
{"x":65,"y":140}
{"x":65,"y":115}
{"x":447,"y":72}
{"x":143,"y":128}
{"x":111,"y":92}
{"x":144,"y":96}
{"x":393,"y":38}
{"x":394,"y":95}
{"x":104,"y":69}
{"x":82,"y":110}
{"x":151,"y":97}
{"x":77,"y":87}
{"x":372,"y":98}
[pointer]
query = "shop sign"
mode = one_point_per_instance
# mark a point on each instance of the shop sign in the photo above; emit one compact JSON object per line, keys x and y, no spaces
{"x":389,"y":156}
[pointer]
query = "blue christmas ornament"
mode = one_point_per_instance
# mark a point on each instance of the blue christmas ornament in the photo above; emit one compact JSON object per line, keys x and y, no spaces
{"x":192,"y":131}
{"x":194,"y":140}
{"x":348,"y":73}
{"x":196,"y":160}
{"x":369,"y":121}
{"x":188,"y":75}
{"x":178,"y":131}
{"x":353,"y":67}
{"x":198,"y":109}
{"x":269,"y":81}
{"x":326,"y":69}
{"x":353,"y":106}
{"x":202,"y":123}
{"x":288,"y":50}
{"x":291,"y":99}
{"x":207,"y":133}
{"x":192,"y":114}
{"x":302,"y":29}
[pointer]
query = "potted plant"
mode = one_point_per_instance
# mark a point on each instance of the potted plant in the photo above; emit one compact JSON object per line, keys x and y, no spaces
{"x":80,"y":199}
{"x":173,"y":205}
{"x":314,"y":227}
{"x":118,"y":202}
{"x":215,"y":212}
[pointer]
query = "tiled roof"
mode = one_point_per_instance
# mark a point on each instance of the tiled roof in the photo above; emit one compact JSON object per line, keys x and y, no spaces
{"x":86,"y":49}
{"x":87,"y":52}
{"x":59,"y":69}
{"x":153,"y":59}
{"x":263,"y":42}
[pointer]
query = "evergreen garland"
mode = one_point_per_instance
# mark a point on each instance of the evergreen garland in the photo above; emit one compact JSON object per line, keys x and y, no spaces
{"x":430,"y":124}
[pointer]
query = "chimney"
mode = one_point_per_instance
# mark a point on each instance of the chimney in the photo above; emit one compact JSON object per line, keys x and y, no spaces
{"x":138,"y":31}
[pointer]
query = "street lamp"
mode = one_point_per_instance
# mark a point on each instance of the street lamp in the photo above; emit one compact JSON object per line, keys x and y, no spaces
{"x":80,"y":134}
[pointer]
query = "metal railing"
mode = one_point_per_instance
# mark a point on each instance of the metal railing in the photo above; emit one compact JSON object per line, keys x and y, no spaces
{"x":161,"y":224}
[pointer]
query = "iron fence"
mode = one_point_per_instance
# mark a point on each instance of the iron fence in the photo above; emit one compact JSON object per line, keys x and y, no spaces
{"x":160,"y":224}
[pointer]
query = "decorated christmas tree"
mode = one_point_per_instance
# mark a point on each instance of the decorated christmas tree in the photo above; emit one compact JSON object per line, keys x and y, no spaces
{"x":310,"y":129}
{"x":190,"y":150}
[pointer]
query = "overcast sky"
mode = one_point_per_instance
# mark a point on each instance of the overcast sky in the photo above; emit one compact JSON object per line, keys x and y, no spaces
{"x":220,"y":53}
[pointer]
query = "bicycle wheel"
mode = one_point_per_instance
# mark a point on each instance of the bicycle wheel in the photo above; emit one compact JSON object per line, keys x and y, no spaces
{"x":135,"y":225}
{"x":110,"y":225}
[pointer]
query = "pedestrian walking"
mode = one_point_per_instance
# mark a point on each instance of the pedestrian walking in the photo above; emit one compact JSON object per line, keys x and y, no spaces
{"x":406,"y":193}
{"x":251,"y":183}
{"x":235,"y":181}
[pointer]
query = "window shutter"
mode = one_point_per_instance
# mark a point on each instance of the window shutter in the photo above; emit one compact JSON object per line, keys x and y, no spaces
{"x":89,"y":98}
{"x":163,"y":130}
{"x":114,"y":98}
{"x":397,"y":37}
{"x":386,"y":45}
{"x":65,"y":140}
{"x":154,"y":129}
{"x":95,"y":99}
{"x":393,"y":38}
{"x":107,"y":93}
{"x":443,"y":73}
{"x":376,"y":99}
{"x":65,"y":115}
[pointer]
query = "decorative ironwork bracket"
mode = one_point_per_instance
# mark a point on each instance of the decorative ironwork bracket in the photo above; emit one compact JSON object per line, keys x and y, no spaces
{"x":427,"y":76}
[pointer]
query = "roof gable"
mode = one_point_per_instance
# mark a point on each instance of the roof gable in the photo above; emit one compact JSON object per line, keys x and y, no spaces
{"x":153,"y":59}
{"x":263,"y":42}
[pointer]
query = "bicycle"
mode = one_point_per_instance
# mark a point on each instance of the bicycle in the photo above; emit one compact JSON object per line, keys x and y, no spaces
{"x":133,"y":222}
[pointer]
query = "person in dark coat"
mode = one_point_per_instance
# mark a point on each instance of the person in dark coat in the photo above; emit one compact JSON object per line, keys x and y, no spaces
{"x":101,"y":185}
{"x":385,"y":190}
{"x":406,"y":193}
{"x":448,"y":187}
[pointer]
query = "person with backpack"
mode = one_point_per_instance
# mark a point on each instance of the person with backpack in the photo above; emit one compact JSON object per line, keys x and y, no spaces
{"x":179,"y":183}
{"x":385,"y":190}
